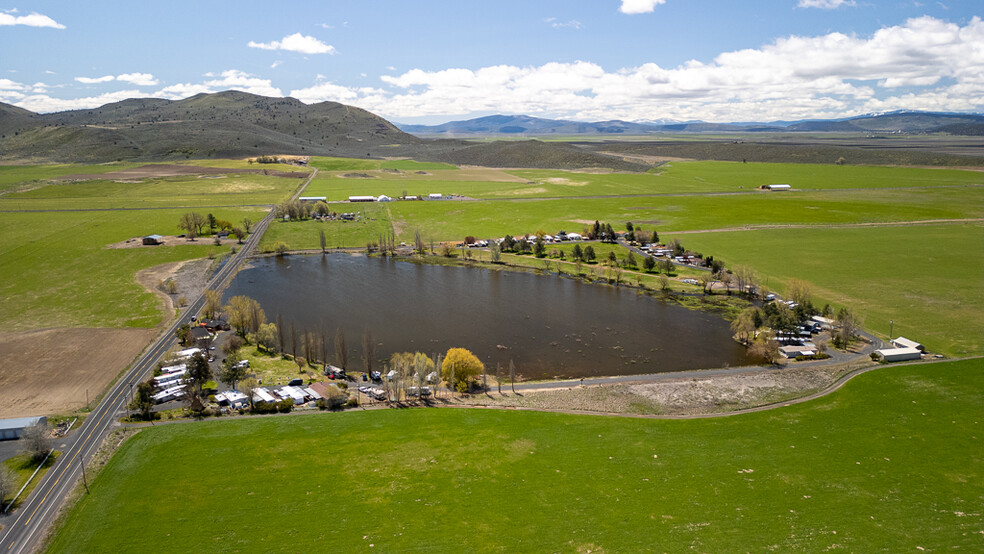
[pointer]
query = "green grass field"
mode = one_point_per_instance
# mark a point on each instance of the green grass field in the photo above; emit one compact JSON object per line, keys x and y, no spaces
{"x":17,"y":175}
{"x":74,"y":280}
{"x":305,"y":235}
{"x":926,"y":278}
{"x":675,"y":178}
{"x":453,"y":220}
{"x":889,"y":463}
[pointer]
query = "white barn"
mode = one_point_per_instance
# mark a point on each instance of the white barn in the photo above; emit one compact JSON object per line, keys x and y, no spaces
{"x":898,"y":354}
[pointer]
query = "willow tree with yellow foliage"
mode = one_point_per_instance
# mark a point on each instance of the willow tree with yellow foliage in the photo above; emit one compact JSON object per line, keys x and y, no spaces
{"x":459,"y":366}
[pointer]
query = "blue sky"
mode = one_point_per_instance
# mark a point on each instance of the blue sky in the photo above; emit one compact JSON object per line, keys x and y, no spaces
{"x":434,"y":61}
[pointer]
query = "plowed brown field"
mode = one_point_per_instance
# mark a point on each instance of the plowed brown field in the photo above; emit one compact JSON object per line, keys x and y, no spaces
{"x":48,"y":371}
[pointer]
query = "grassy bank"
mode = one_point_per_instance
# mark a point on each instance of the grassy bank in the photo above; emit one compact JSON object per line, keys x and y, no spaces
{"x":866,"y":468}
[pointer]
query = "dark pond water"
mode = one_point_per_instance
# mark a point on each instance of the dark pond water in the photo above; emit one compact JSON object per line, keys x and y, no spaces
{"x":549,"y":326}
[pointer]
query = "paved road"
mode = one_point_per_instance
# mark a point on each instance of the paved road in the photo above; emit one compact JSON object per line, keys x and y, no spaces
{"x":25,"y":527}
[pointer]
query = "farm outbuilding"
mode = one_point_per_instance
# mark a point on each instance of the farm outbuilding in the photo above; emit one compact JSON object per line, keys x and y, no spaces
{"x":384,"y":198}
{"x":153,"y":240}
{"x":778,"y":187}
{"x":313,"y":199}
{"x":362,"y":198}
{"x":11,"y":429}
{"x":435,"y":196}
{"x":903,"y":342}
{"x":898,"y":354}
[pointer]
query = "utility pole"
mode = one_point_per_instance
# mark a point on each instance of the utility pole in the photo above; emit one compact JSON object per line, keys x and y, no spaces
{"x":891,"y":328}
{"x":84,"y":480}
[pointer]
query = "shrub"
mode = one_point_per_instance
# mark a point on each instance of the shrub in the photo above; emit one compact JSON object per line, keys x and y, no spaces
{"x":285,"y":406}
{"x":321,"y":404}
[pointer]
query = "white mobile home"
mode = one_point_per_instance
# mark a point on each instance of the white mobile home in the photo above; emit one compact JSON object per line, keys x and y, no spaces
{"x":434,"y":196}
{"x":185,"y":354}
{"x":173,"y":369}
{"x":171,"y":379}
{"x":778,"y":187}
{"x":261,"y":396}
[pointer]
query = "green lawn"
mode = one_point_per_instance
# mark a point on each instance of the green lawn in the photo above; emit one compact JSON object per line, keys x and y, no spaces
{"x":926,"y":278}
{"x":55,"y":269}
{"x":892,"y":462}
{"x":22,"y":467}
{"x":302,"y":235}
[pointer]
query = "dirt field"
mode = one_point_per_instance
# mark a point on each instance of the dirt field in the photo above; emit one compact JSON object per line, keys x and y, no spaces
{"x":170,"y":240}
{"x":173,"y":170}
{"x":48,"y":371}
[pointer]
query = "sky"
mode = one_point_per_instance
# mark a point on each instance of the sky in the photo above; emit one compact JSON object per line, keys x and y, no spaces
{"x":433,"y":61}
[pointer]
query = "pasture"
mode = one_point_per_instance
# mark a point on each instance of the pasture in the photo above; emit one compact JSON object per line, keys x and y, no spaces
{"x":673,"y":178}
{"x":925,"y":278}
{"x":888,"y":463}
{"x":75,"y":280}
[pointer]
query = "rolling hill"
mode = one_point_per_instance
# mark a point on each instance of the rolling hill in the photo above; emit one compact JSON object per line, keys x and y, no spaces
{"x":235,"y":124}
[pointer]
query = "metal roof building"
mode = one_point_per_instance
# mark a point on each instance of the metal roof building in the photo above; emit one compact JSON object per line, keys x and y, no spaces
{"x":11,"y":429}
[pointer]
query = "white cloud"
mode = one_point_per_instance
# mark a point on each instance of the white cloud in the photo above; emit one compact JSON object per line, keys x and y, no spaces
{"x":795,"y":77}
{"x":94,"y":80}
{"x":139,"y":79}
{"x":230,"y":79}
{"x":924,"y":63}
{"x":825,"y":4}
{"x":639,"y":6}
{"x":296,"y":43}
{"x":44,"y":103}
{"x":275,"y":64}
{"x":556,"y":24}
{"x":31,"y":20}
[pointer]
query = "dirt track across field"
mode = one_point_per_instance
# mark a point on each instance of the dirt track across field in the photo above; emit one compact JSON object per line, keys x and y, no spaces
{"x":48,"y":371}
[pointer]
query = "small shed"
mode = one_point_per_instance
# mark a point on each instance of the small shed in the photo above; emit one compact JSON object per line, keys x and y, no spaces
{"x":903,"y":342}
{"x":153,"y":240}
{"x":793,"y":351}
{"x":11,"y":429}
{"x":435,"y":196}
{"x":898,"y":354}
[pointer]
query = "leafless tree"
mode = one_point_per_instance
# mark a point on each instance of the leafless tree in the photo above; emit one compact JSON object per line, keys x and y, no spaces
{"x":341,"y":350}
{"x":368,"y":349}
{"x":281,"y":345}
{"x":322,"y":240}
{"x":512,"y":375}
{"x":37,"y":440}
{"x":293,"y":339}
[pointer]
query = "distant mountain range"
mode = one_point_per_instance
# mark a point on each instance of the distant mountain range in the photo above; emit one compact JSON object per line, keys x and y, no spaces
{"x":521,"y":125}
